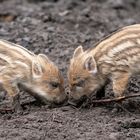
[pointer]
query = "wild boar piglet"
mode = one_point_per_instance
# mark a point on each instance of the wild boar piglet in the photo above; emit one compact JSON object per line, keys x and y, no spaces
{"x":115,"y":58}
{"x":36,"y":73}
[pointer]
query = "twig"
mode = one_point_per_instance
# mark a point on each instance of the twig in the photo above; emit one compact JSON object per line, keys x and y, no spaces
{"x":6,"y":110}
{"x":115,"y":99}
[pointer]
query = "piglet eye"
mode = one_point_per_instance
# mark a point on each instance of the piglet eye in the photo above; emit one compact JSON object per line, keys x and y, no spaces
{"x":80,"y":83}
{"x":54,"y":84}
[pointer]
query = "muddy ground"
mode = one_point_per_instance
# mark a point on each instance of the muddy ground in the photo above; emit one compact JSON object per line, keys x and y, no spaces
{"x":56,"y":27}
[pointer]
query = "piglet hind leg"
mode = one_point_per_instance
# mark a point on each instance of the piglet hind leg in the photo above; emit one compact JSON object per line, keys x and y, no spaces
{"x":13,"y":92}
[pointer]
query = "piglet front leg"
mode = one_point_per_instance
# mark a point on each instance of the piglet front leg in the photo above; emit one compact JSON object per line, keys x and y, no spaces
{"x":13,"y":92}
{"x":120,"y":81}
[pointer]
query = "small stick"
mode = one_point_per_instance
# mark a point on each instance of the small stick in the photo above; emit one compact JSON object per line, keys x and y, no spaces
{"x":115,"y":99}
{"x":6,"y":110}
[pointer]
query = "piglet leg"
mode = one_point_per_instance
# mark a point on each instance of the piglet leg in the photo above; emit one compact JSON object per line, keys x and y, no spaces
{"x":13,"y":93}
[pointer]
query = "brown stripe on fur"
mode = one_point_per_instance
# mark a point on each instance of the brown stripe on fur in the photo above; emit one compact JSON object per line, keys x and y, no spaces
{"x":124,"y":69}
{"x":129,"y":52}
{"x":98,"y":53}
{"x":119,"y":33}
{"x":16,"y":49}
{"x":11,"y":53}
{"x":15,"y":45}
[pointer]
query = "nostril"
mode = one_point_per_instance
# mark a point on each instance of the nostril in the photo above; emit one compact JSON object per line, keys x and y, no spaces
{"x":67,"y":91}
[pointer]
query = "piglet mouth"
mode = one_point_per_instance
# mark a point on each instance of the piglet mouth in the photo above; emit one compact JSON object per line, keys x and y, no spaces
{"x":83,"y":100}
{"x":77,"y":103}
{"x":64,"y":102}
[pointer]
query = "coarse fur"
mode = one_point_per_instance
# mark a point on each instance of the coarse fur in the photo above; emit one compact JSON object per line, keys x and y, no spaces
{"x":117,"y":58}
{"x":36,"y":73}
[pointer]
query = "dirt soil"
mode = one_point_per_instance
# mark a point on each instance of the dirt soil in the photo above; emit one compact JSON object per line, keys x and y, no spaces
{"x":56,"y":28}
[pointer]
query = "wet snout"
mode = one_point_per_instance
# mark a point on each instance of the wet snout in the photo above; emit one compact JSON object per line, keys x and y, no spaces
{"x":63,"y":100}
{"x":72,"y":100}
{"x":78,"y":102}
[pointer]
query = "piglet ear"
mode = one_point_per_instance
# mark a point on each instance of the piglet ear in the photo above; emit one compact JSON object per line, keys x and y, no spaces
{"x":78,"y":51}
{"x":43,"y":58}
{"x":90,"y":65}
{"x":36,"y":69}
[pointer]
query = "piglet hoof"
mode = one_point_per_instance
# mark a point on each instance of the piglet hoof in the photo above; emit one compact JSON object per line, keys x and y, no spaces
{"x":117,"y":108}
{"x":16,"y":105}
{"x":17,"y":108}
